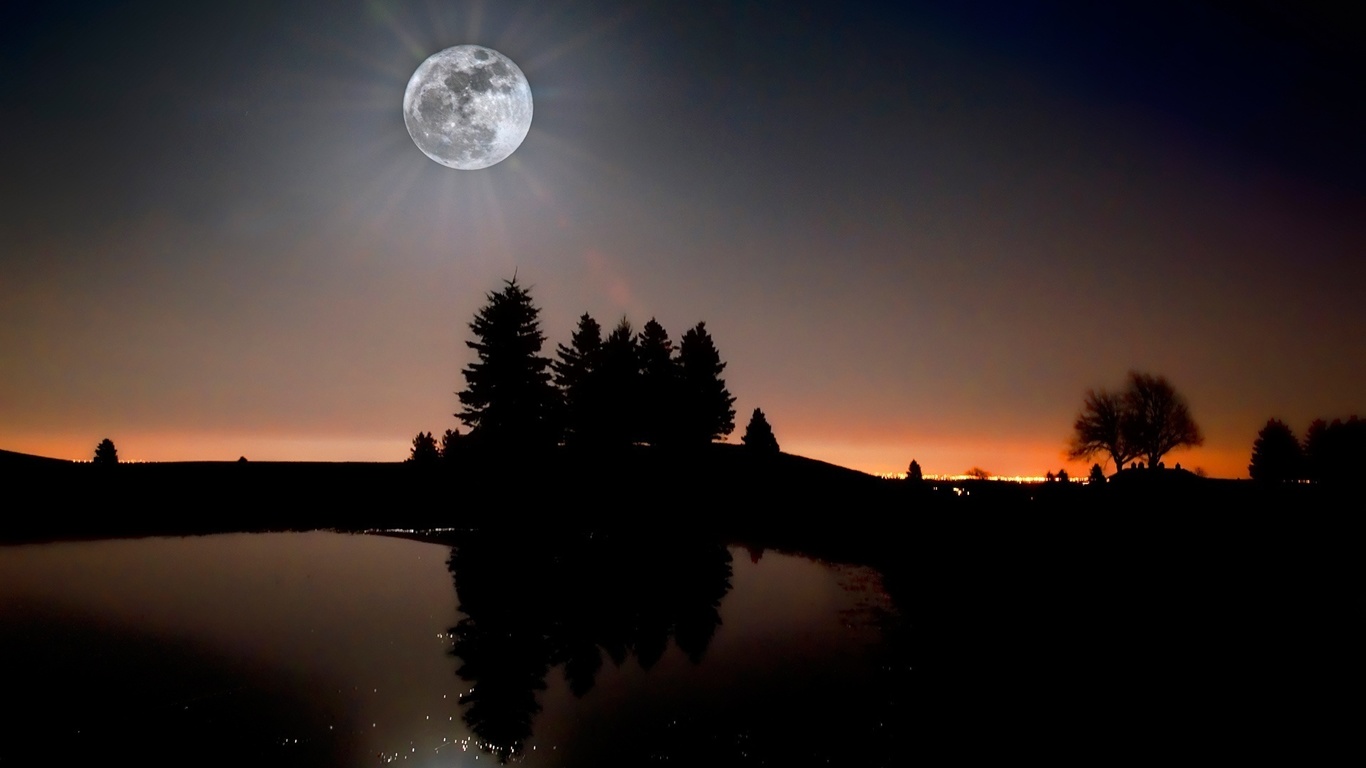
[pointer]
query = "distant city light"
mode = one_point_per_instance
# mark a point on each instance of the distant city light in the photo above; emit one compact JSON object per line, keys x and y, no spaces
{"x":1000,"y":478}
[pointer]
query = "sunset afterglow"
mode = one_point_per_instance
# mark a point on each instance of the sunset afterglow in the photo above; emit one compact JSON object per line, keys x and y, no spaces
{"x":913,"y":234}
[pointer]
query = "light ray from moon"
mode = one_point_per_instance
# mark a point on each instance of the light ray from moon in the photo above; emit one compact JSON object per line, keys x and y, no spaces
{"x":582,"y":39}
{"x":467,"y":107}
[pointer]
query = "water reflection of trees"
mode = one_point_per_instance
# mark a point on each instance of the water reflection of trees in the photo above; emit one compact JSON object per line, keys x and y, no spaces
{"x":532,"y":603}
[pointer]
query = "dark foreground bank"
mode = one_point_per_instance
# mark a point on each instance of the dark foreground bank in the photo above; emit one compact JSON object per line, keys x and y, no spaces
{"x":768,"y":499}
{"x":1156,"y":615}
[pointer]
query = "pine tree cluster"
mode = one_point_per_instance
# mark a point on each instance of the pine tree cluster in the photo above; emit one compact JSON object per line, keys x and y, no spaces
{"x":624,"y":389}
{"x":1332,"y":452}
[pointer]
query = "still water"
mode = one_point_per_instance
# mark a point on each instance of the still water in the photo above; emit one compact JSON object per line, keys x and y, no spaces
{"x":358,"y":650}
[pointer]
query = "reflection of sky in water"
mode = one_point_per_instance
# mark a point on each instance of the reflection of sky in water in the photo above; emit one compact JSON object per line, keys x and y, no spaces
{"x":351,"y":630}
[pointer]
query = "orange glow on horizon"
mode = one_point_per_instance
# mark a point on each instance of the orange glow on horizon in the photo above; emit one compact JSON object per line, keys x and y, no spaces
{"x":950,"y":457}
{"x":155,"y":446}
{"x":939,"y":457}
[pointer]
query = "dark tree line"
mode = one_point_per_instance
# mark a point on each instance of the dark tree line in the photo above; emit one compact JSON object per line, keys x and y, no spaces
{"x":1330,"y":452}
{"x":639,"y":388}
{"x":598,"y":393}
{"x":428,"y":450}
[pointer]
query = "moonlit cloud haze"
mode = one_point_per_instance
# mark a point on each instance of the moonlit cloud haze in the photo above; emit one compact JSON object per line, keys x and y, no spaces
{"x":917,"y":235}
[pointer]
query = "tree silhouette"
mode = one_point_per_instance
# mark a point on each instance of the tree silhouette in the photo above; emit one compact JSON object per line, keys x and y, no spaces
{"x":1336,"y":451}
{"x":618,"y":377}
{"x":978,"y":473}
{"x":1353,"y":447}
{"x":450,"y":444}
{"x":659,"y":386}
{"x":508,"y":399}
{"x":1276,"y":454}
{"x":1157,"y":418}
{"x":704,"y":404}
{"x":913,"y":472}
{"x":577,"y":377}
{"x":532,"y":603}
{"x":1316,"y":450}
{"x":1147,"y":420}
{"x":424,"y":449}
{"x":1097,"y":475}
{"x":1100,"y":428}
{"x":105,"y":453}
{"x":759,"y":435}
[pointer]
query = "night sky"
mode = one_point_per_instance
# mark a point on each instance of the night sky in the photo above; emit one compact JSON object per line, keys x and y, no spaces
{"x":919,"y":235}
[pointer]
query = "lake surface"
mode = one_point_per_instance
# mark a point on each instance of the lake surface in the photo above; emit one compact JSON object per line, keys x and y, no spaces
{"x":359,"y":650}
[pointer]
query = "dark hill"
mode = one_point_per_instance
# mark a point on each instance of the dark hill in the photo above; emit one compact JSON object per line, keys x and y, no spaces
{"x":719,"y":488}
{"x":12,"y":461}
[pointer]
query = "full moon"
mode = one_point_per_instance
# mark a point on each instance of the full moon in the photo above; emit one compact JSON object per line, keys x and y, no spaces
{"x":467,"y":107}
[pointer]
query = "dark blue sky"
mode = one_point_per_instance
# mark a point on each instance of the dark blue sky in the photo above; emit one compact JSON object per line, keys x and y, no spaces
{"x":922,"y":233}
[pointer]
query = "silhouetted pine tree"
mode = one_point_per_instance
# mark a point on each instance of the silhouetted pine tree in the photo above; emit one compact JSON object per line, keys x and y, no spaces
{"x":106,"y":453}
{"x":759,"y":435}
{"x":1276,"y":454}
{"x":577,"y":377}
{"x":619,"y":379}
{"x":1336,"y":451}
{"x":1353,"y":446}
{"x":1315,"y":449}
{"x":658,"y":386}
{"x":450,"y":445}
{"x":1097,"y":475}
{"x":704,"y":403}
{"x":508,"y":400}
{"x":913,"y":472}
{"x":424,"y":449}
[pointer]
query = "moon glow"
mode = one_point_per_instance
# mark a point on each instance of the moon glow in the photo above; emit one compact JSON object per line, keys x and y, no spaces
{"x":467,"y":107}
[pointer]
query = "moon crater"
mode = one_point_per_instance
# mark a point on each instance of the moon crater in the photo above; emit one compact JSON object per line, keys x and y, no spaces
{"x":467,"y":107}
